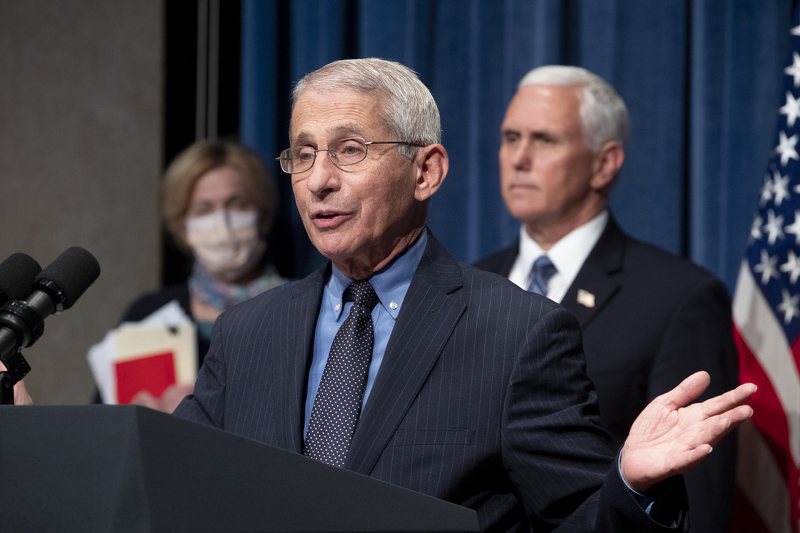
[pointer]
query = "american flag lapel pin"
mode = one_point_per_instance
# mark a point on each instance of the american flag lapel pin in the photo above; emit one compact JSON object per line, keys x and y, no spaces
{"x":585,"y":298}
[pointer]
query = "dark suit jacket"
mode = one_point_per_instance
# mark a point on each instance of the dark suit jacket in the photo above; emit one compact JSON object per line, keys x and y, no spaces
{"x":657,"y":318}
{"x":481,"y":398}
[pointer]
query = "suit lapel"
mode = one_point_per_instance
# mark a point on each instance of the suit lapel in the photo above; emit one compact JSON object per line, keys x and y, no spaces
{"x":429,"y":314}
{"x":596,"y":282}
{"x":299,"y":321}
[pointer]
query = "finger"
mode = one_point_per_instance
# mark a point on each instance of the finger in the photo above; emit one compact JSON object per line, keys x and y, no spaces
{"x":691,"y":459}
{"x":183,"y":389}
{"x":712,"y":430}
{"x":730,"y":400}
{"x":688,"y":390}
{"x":21,"y":396}
{"x":145,"y":399}
{"x":174,"y":395}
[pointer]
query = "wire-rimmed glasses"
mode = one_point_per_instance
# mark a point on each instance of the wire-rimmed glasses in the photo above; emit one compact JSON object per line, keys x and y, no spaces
{"x":342,"y":153}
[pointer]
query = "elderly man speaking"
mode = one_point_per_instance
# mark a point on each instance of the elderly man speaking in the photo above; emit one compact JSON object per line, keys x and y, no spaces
{"x":395,"y":361}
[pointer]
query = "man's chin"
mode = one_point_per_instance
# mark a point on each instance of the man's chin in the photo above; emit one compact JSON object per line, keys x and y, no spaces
{"x":331,"y":247}
{"x":526,"y":213}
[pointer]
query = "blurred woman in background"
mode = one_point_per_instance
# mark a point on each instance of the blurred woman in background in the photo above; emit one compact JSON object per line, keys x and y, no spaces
{"x":219,"y":204}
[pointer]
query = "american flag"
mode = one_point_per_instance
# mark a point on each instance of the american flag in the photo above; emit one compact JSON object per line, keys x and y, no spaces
{"x":766,"y":315}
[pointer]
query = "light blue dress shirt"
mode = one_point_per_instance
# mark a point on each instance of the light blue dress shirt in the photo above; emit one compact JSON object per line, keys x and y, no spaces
{"x":391,"y":285}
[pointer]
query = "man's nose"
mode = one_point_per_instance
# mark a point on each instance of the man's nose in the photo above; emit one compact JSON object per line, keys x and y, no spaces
{"x":522,"y":155}
{"x":324,"y":175}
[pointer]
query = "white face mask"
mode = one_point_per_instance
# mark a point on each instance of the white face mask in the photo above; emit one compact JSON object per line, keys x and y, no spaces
{"x":226,"y":243}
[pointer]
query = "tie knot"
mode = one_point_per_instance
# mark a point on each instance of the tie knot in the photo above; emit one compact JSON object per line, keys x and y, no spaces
{"x":543,"y":269}
{"x":544,"y":266}
{"x":363,"y":294}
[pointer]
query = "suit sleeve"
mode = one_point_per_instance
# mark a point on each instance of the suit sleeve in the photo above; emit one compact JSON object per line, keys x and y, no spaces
{"x":555,"y":452}
{"x":207,"y":404}
{"x":700,"y":337}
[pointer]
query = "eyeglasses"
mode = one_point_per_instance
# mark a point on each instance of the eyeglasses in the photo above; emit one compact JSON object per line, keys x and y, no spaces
{"x":343,"y":152}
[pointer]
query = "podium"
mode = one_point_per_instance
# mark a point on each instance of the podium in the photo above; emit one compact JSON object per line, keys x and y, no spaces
{"x":130,"y":469}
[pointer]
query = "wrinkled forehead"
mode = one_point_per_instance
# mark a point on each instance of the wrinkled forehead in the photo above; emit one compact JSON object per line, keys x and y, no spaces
{"x":323,"y":116}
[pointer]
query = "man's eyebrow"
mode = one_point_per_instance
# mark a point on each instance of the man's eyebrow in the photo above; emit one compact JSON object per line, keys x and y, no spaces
{"x":301,"y":139}
{"x":342,"y":131}
{"x":346,"y":130}
{"x":538,"y":133}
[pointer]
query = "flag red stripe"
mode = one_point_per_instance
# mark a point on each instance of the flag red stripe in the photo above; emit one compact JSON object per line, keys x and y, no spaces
{"x":770,"y":418}
{"x":768,"y":414}
{"x":745,"y":518}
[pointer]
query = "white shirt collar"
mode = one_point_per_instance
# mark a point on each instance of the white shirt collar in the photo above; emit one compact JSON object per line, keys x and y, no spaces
{"x":568,"y":256}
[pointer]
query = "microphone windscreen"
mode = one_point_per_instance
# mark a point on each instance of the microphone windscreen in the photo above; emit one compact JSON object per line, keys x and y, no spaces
{"x":17,"y":274}
{"x":72,"y":272}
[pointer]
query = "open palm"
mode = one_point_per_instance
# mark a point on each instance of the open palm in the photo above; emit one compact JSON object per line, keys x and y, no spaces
{"x":668,"y":439}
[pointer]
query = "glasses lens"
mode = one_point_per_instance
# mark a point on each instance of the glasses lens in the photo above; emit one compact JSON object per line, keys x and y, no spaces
{"x":297,"y":159}
{"x":286,"y":161}
{"x":347,"y":151}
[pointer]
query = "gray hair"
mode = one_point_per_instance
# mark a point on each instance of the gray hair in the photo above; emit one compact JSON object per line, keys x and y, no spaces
{"x":604,"y":116}
{"x":408,"y":110}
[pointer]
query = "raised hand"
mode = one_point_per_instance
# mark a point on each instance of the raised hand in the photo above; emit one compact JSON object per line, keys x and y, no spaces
{"x":668,"y":438}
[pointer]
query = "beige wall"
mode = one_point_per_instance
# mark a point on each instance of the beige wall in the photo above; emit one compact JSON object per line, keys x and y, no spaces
{"x":80,"y":155}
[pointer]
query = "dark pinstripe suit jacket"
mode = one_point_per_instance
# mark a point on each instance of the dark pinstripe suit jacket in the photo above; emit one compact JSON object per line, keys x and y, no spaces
{"x":481,"y":398}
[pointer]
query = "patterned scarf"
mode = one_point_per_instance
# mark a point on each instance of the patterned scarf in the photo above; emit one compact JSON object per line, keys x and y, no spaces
{"x":208,"y":289}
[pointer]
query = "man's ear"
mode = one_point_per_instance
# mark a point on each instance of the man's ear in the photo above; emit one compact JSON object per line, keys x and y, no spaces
{"x":607,"y":163}
{"x":430,"y":168}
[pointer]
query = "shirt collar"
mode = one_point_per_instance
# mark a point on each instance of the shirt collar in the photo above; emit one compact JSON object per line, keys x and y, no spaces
{"x":569,"y":253}
{"x":390,"y":283}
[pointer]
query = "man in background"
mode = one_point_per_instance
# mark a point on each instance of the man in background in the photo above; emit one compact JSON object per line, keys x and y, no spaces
{"x":649,"y":318}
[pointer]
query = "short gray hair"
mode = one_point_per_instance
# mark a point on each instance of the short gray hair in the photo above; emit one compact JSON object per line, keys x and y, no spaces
{"x":408,"y":110}
{"x":604,"y":115}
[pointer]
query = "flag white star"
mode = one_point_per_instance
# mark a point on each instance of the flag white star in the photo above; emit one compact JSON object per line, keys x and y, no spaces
{"x":794,"y":227}
{"x":766,"y":267}
{"x":780,"y":187}
{"x":774,"y":227}
{"x":792,"y":265}
{"x":795,"y":30}
{"x":766,"y":191}
{"x":794,"y":69}
{"x":789,"y":306}
{"x":755,"y":229}
{"x":786,"y":147}
{"x":791,"y":109}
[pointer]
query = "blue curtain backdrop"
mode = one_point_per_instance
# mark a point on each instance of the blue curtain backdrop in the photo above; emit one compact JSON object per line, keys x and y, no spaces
{"x":699,"y":77}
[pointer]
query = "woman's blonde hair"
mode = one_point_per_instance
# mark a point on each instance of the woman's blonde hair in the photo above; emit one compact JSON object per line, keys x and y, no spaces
{"x":202,"y":157}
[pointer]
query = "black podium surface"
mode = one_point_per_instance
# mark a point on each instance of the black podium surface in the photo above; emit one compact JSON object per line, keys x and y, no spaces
{"x":125,"y":468}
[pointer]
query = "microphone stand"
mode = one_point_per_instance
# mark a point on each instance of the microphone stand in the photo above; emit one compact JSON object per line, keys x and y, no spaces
{"x":17,"y":367}
{"x":20,"y":325}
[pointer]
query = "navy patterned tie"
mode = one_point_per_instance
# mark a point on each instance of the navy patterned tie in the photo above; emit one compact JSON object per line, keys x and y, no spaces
{"x":341,"y":389}
{"x":543,"y":269}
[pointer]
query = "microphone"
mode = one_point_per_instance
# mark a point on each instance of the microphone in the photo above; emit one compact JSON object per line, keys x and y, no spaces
{"x":17,"y":274}
{"x":55,"y":289}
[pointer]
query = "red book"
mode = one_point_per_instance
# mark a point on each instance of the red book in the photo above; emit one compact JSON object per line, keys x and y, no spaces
{"x":152,"y":373}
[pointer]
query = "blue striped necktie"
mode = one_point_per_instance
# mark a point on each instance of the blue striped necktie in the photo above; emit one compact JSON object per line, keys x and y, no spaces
{"x":543,"y":269}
